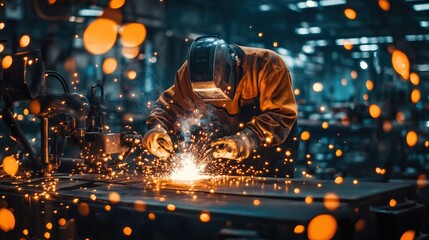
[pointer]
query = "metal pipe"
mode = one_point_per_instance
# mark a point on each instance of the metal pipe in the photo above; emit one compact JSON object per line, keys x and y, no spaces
{"x":45,"y":140}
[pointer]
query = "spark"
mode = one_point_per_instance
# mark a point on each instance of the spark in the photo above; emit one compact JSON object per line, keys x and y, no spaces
{"x":187,"y":169}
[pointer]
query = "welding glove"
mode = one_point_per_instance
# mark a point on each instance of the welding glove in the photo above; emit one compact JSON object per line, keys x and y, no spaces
{"x":158,"y":142}
{"x":234,"y":147}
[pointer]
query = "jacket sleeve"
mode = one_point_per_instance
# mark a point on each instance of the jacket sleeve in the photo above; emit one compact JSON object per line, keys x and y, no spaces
{"x":277,"y":104}
{"x":173,"y":104}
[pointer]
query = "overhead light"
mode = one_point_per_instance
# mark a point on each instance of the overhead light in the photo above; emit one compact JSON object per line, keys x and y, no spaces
{"x":424,"y":24}
{"x":421,"y":7}
{"x":360,"y":55}
{"x":415,"y":38}
{"x":308,"y":49}
{"x":76,"y":19}
{"x":90,"y":12}
{"x":309,"y":30}
{"x":265,"y":7}
{"x":423,"y":67}
{"x":340,"y":41}
{"x":325,"y":3}
{"x":307,"y":4}
{"x":282,"y":51}
{"x":363,"y":65}
{"x":368,"y":47}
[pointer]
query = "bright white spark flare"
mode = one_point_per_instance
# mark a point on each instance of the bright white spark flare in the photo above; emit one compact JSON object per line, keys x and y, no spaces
{"x":186,"y":169}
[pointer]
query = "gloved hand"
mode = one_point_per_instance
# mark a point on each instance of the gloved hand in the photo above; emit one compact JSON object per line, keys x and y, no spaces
{"x":234,"y":147}
{"x":158,"y":142}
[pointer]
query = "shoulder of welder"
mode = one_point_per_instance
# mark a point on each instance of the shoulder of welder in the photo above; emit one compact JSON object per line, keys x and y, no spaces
{"x":263,"y":55}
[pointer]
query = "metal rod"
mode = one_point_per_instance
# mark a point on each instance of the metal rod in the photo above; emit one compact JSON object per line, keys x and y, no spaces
{"x":45,"y":140}
{"x":17,"y":133}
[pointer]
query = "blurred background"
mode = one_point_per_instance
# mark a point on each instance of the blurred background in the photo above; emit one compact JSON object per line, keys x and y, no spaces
{"x":360,"y":69}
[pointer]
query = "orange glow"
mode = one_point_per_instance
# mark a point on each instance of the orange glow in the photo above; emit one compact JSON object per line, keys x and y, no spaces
{"x":392,"y":202}
{"x":132,"y":34}
{"x":171,"y":207}
{"x":2,"y":25}
{"x":62,"y":222}
{"x":360,"y":225}
{"x":384,"y":5}
{"x":308,"y":200}
{"x":387,"y":126}
{"x":322,"y":227}
{"x":127,"y":231}
{"x":348,"y":45}
{"x":400,"y":117}
{"x":130,"y":52}
{"x":350,"y":13}
{"x":408,"y":235}
{"x":318,"y":87}
{"x":35,"y":106}
{"x":25,"y":232}
{"x":297,"y":91}
{"x":132,"y":74}
{"x":339,"y":153}
{"x":6,"y":62}
{"x":107,"y":208}
{"x":47,"y":235}
{"x":414,"y":78}
{"x":139,"y":206}
{"x":369,"y":85}
{"x":305,"y":135}
{"x":339,"y":180}
{"x":114,"y":197}
{"x":24,"y":41}
{"x":421,"y":181}
{"x":10,"y":165}
{"x":205,"y":217}
{"x":100,"y":36}
{"x":7,"y":220}
{"x":151,"y":216}
{"x":354,"y":74}
{"x":83,"y":209}
{"x":256,"y":202}
{"x":115,"y":4}
{"x":325,"y":125}
{"x":299,"y":229}
{"x":109,"y":65}
{"x":412,"y":138}
{"x":48,"y":226}
{"x":1,"y":47}
{"x":331,"y":201}
{"x":374,"y":111}
{"x":415,"y":96}
{"x":401,"y":64}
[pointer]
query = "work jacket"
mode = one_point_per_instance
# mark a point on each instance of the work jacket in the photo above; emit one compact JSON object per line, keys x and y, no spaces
{"x":263,"y":106}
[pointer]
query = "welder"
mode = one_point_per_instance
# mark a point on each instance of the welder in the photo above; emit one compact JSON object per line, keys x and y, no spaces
{"x":246,"y":96}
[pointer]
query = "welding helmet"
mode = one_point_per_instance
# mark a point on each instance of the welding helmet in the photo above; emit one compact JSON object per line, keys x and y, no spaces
{"x":212,"y":70}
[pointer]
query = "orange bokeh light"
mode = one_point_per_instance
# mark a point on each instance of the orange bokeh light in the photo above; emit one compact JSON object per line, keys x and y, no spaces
{"x":350,"y":13}
{"x":130,"y":52}
{"x":10,"y":165}
{"x":305,"y":135}
{"x":7,"y":220}
{"x":384,"y":4}
{"x":132,"y":34}
{"x":205,"y":217}
{"x":115,"y":4}
{"x":369,"y":85}
{"x":408,"y":235}
{"x":414,"y":78}
{"x":412,"y":138}
{"x":415,"y":96}
{"x":24,"y":41}
{"x":114,"y":197}
{"x":299,"y":229}
{"x":322,"y":227}
{"x":6,"y":62}
{"x":127,"y":231}
{"x":374,"y":111}
{"x":100,"y":36}
{"x":401,"y":64}
{"x":331,"y":201}
{"x":109,"y":65}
